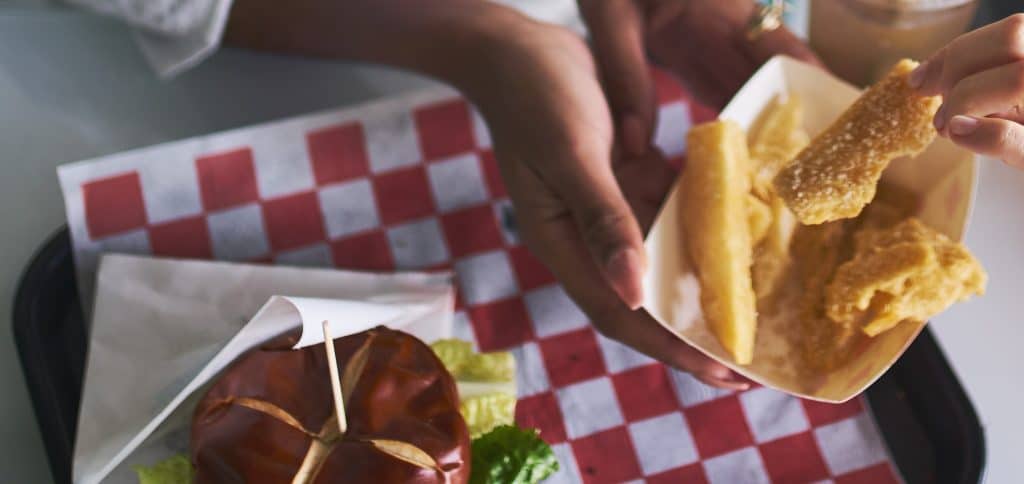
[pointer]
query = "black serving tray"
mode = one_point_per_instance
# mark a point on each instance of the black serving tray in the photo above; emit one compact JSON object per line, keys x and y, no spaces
{"x":926,"y":418}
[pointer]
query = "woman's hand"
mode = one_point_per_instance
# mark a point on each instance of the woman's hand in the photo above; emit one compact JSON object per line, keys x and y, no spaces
{"x":582,"y":210}
{"x":703,"y":42}
{"x":581,"y":207}
{"x":980,"y":76}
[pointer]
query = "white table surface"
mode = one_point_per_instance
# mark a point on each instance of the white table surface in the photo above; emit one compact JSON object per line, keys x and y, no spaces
{"x":73,"y":86}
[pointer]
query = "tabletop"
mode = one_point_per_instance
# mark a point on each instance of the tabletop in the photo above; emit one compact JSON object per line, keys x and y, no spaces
{"x":73,"y":86}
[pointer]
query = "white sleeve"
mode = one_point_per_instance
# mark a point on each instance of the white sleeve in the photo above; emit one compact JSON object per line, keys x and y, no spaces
{"x":173,"y":35}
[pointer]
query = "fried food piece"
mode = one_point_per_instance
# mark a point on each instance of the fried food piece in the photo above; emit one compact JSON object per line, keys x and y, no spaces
{"x":892,"y":205}
{"x":759,"y":218}
{"x":771,"y":255}
{"x":906,"y":272}
{"x":714,"y":198}
{"x":836,"y":175}
{"x":775,"y":138}
{"x":824,"y":345}
{"x":818,"y":250}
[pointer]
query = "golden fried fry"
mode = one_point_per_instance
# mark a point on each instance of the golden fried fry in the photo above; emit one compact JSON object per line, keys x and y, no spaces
{"x":759,"y":219}
{"x":771,"y":255}
{"x":905,"y":272}
{"x":714,"y":199}
{"x":775,"y":138}
{"x":836,"y":175}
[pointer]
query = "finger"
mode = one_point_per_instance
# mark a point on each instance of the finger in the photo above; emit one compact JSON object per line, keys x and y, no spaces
{"x":580,"y":185}
{"x":1014,"y":113}
{"x":680,"y":35}
{"x":993,"y":137}
{"x":561,"y":248}
{"x":991,"y":91}
{"x":583,"y":180}
{"x":645,"y":182}
{"x":999,"y":43}
{"x":616,"y":29}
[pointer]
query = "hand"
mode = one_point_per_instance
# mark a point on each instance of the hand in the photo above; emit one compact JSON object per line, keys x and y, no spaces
{"x":537,"y":86}
{"x":581,"y":209}
{"x":980,"y":76}
{"x":702,"y":42}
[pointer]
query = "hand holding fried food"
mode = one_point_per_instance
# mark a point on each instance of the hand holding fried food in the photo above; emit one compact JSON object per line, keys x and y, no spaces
{"x":906,"y":272}
{"x":836,"y":175}
{"x":715,"y":204}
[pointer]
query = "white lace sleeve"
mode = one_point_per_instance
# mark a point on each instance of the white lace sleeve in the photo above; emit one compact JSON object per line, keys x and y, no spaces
{"x":172,"y":34}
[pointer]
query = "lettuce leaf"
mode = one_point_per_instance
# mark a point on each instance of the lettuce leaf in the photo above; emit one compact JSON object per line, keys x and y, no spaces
{"x":486,"y":384}
{"x":485,"y":412}
{"x":173,"y":470}
{"x":511,"y":455}
{"x":465,"y":365}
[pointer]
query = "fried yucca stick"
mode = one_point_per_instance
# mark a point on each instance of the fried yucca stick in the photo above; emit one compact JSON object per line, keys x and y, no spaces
{"x":836,"y":175}
{"x":775,"y":138}
{"x":759,"y":219}
{"x":771,"y":255}
{"x":714,"y":203}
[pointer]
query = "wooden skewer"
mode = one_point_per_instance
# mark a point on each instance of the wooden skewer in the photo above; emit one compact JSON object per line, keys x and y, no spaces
{"x":332,"y":367}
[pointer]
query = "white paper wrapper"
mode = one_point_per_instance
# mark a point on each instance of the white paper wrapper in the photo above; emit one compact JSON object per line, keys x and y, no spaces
{"x":943,"y":177}
{"x":162,"y":329}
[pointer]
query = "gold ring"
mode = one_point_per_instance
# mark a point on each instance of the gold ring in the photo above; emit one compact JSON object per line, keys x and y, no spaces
{"x":766,"y":18}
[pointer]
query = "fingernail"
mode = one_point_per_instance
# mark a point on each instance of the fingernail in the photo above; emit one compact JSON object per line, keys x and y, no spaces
{"x":734,"y":383}
{"x":962,"y":125}
{"x":624,"y":270}
{"x":940,"y":118}
{"x":634,"y":137}
{"x":916,"y":78}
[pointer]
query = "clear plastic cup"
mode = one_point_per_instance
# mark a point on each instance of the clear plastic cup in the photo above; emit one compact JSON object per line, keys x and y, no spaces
{"x":860,"y":40}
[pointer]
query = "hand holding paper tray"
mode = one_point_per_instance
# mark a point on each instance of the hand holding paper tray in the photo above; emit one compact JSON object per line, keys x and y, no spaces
{"x":168,"y":327}
{"x":941,"y":178}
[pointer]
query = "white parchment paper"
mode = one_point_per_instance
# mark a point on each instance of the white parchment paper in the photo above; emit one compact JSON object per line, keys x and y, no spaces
{"x":163,"y":329}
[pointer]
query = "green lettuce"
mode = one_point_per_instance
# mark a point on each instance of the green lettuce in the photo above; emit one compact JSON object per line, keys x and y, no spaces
{"x":486,"y":384}
{"x":485,"y":412}
{"x":465,"y":365}
{"x":511,"y":455}
{"x":173,"y":470}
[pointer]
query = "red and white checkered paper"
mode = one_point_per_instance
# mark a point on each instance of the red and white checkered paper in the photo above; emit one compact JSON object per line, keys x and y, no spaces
{"x":411,"y":183}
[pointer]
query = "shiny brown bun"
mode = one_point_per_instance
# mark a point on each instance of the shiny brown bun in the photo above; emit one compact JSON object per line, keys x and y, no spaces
{"x":269,"y":417}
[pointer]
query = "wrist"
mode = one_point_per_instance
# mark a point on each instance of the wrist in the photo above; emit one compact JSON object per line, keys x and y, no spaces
{"x":446,"y":39}
{"x":471,"y":48}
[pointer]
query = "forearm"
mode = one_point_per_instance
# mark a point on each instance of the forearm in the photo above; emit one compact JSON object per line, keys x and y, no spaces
{"x":441,"y":39}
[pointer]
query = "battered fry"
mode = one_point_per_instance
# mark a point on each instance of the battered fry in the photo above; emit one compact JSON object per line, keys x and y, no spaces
{"x":759,"y":219}
{"x":775,"y":138}
{"x":818,"y":250}
{"x":836,"y":175}
{"x":715,"y":207}
{"x":771,"y":256}
{"x":906,"y":272}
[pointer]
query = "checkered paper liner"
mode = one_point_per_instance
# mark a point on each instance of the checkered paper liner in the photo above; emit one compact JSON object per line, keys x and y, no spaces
{"x":411,"y":183}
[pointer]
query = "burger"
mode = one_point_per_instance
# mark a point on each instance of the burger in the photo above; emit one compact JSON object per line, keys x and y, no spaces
{"x":412,"y":414}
